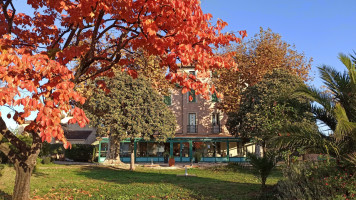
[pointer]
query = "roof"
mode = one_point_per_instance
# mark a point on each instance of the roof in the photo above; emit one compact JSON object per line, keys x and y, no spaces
{"x":77,"y":134}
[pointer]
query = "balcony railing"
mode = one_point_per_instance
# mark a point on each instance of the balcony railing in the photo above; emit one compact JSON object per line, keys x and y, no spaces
{"x":216,"y":129}
{"x":192,"y":128}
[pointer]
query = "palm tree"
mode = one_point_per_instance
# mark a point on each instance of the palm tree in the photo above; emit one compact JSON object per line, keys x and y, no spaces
{"x":335,"y":107}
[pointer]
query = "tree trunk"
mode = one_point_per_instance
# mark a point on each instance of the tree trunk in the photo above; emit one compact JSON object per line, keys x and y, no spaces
{"x":132,"y":162}
{"x":113,"y":154}
{"x":263,"y":180}
{"x":264,"y":148}
{"x":22,"y":182}
{"x":24,"y":160}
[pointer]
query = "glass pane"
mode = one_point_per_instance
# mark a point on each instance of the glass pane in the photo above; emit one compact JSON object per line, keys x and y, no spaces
{"x":124,"y":149}
{"x":236,"y":149}
{"x":152,"y":149}
{"x":221,"y":149}
{"x":209,"y":148}
{"x":176,"y":149}
{"x":103,"y":149}
{"x":185,"y":149}
{"x":141,"y":150}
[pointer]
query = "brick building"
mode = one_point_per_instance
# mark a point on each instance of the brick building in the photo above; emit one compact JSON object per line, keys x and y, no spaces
{"x":200,"y":127}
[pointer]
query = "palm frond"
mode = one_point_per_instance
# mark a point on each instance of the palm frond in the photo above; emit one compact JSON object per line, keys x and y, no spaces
{"x":344,"y":127}
{"x":350,"y":65}
{"x":351,"y":158}
{"x":335,"y":81}
{"x":324,"y":116}
{"x":307,"y":137}
{"x":316,"y":95}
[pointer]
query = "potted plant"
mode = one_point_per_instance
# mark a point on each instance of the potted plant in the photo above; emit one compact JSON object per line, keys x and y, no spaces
{"x":166,"y":156}
{"x":197,"y":156}
{"x":171,"y":161}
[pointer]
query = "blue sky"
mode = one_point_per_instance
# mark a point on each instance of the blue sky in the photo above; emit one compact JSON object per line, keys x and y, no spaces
{"x":320,"y":28}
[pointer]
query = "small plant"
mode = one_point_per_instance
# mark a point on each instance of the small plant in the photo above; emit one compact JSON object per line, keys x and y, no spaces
{"x":197,"y":156}
{"x":166,"y":154}
{"x":262,"y":166}
{"x":171,"y":161}
{"x":47,"y":160}
{"x":317,"y":180}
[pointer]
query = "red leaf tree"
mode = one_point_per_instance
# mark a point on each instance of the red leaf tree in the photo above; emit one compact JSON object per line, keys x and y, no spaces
{"x":57,"y":45}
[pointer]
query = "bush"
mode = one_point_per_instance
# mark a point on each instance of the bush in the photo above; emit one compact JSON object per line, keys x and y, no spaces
{"x":262,"y":166}
{"x":47,"y":160}
{"x":197,"y":156}
{"x":316,"y":180}
{"x":51,"y":150}
{"x":81,"y":152}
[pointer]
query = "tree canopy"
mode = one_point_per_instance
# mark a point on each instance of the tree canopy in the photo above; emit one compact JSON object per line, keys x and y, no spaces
{"x":267,"y":107}
{"x":55,"y":45}
{"x":257,"y":57}
{"x":132,"y":109}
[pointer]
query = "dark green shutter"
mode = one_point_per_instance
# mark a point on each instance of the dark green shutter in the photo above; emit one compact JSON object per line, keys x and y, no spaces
{"x":167,"y":100}
{"x":214,"y":98}
{"x":192,"y":93}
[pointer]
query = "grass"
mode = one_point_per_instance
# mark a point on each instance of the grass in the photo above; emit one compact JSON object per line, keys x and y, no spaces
{"x":83,"y":182}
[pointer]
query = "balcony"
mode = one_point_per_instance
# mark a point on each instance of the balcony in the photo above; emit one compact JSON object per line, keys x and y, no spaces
{"x":216,"y":129}
{"x":192,"y":129}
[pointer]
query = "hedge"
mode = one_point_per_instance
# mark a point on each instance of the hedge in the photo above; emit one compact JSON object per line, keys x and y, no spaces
{"x":81,"y":153}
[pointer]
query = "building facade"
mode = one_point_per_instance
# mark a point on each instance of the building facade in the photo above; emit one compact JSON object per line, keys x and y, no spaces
{"x":200,"y":128}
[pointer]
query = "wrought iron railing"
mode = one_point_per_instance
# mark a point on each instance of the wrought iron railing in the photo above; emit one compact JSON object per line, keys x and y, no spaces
{"x":216,"y":129}
{"x":192,"y":128}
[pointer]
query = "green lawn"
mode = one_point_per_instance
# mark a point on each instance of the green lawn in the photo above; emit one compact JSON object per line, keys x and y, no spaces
{"x":83,"y":182}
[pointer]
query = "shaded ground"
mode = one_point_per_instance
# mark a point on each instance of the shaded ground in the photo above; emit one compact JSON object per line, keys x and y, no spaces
{"x":96,"y":182}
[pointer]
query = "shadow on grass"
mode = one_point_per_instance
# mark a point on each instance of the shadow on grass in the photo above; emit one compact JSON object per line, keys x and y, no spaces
{"x":200,"y":187}
{"x":4,"y":195}
{"x":236,"y":167}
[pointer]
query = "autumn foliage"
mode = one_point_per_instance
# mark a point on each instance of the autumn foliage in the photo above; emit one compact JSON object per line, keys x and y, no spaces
{"x":46,"y":52}
{"x":257,"y":57}
{"x":39,"y":47}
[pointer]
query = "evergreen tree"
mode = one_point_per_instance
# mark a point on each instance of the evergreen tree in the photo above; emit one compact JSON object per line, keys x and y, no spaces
{"x":132,"y":109}
{"x":267,"y":108}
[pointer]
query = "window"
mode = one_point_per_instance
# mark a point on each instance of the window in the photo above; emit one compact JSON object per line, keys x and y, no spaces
{"x":167,"y":100}
{"x":192,"y":123}
{"x":125,"y":150}
{"x":141,"y":150}
{"x":191,"y":96}
{"x":214,"y":98}
{"x":192,"y":72}
{"x":215,"y":121}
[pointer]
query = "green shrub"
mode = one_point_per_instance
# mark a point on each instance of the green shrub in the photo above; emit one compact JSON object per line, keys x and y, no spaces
{"x":47,"y":160}
{"x":51,"y":150}
{"x":262,"y":166}
{"x":39,"y":160}
{"x":81,"y":152}
{"x":316,"y":180}
{"x":197,"y":156}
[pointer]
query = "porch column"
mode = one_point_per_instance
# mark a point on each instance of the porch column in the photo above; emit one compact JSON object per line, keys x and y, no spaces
{"x":190,"y":150}
{"x":135,"y":149}
{"x":171,"y":148}
{"x":228,"y":151}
